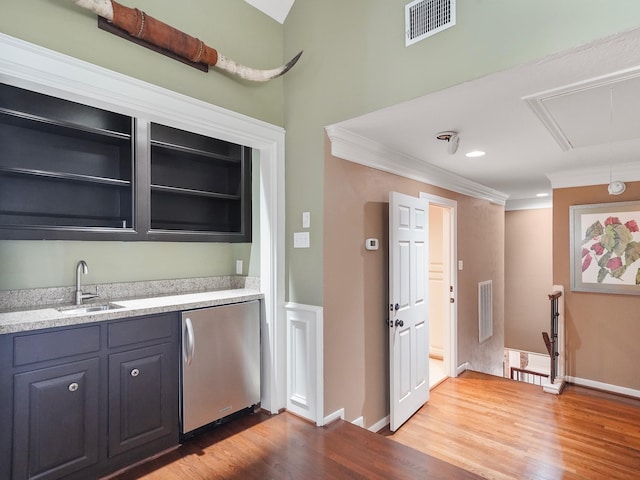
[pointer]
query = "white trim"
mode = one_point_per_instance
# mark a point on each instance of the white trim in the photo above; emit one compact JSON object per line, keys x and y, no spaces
{"x":528,"y":204}
{"x":607,"y":387}
{"x":359,"y":422}
{"x":305,"y":363}
{"x":379,"y":425}
{"x":358,"y":149}
{"x":537,"y":101}
{"x":628,"y":172}
{"x":332,"y":417}
{"x":451,"y":334}
{"x":30,"y":66}
{"x":463,"y":367}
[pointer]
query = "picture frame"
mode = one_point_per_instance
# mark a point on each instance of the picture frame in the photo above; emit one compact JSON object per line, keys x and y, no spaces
{"x":605,"y":248}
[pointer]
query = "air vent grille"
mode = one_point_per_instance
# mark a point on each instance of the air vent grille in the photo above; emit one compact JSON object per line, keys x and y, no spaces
{"x":424,"y":18}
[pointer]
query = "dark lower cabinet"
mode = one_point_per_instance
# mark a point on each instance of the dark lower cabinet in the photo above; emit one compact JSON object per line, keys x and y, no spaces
{"x":90,"y":400}
{"x":55,"y":430}
{"x":139,"y":382}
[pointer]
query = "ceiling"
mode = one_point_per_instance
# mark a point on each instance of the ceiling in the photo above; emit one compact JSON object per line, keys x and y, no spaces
{"x":566,"y":120}
{"x":276,"y":9}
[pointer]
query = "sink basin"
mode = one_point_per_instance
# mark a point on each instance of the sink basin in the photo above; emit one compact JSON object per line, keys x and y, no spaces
{"x":89,"y":309}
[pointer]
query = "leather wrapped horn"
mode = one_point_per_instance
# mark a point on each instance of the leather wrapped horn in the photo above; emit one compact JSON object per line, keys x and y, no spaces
{"x":140,"y":25}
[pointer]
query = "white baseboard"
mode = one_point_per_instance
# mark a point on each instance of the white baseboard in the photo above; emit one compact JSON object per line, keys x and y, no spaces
{"x":555,"y":388}
{"x":332,"y":417}
{"x":359,"y":422}
{"x":607,"y":387}
{"x":379,"y":425}
{"x":462,"y":368}
{"x":436,"y":352}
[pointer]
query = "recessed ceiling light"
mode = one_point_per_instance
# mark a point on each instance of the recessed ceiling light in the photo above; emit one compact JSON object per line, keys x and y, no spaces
{"x":475,"y":153}
{"x":542,"y":194}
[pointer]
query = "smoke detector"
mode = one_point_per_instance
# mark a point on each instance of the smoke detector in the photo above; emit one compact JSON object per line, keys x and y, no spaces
{"x":453,"y":140}
{"x":616,"y":188}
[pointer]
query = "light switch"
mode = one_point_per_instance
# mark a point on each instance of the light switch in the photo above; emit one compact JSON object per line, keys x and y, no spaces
{"x":301,"y":240}
{"x":306,"y":219}
{"x":460,"y":265}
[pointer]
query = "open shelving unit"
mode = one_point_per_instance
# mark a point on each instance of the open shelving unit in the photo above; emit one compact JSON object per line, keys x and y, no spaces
{"x":198,"y":183}
{"x":73,"y":171}
{"x":63,"y":166}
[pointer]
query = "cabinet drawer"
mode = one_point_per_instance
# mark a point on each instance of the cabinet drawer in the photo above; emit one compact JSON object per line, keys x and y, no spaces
{"x":142,"y":329}
{"x":40,"y":347}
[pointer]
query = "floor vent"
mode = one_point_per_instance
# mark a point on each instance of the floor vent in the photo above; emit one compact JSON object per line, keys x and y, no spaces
{"x":485,"y":310}
{"x":424,"y":18}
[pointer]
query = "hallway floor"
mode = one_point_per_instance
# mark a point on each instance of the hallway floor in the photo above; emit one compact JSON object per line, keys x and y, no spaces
{"x":501,"y":429}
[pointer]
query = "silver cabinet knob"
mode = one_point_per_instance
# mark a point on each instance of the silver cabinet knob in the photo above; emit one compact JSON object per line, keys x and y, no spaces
{"x":73,"y":387}
{"x":135,"y":372}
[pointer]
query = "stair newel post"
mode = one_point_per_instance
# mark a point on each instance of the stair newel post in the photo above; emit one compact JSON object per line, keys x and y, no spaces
{"x":555,"y":344}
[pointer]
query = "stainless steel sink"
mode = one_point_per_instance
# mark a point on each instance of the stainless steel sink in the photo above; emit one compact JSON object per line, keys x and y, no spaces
{"x":89,"y":308}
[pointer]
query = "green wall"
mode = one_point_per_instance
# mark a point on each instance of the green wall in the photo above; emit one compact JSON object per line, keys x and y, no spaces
{"x":234,"y":28}
{"x":355,"y":61}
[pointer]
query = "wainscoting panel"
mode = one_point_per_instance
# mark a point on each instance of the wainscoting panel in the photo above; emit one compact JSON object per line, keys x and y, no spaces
{"x":305,"y":361}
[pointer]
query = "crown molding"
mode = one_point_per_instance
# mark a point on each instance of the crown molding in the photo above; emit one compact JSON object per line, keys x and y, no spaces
{"x":46,"y":71}
{"x":629,"y":172}
{"x":358,"y":149}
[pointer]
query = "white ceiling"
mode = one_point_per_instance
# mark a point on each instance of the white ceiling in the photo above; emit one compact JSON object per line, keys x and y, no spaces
{"x":276,"y":9}
{"x":566,"y":120}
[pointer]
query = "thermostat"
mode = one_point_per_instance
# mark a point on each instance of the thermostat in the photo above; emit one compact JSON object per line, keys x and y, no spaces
{"x":371,"y":244}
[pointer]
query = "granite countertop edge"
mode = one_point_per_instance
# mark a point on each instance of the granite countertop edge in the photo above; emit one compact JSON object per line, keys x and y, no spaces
{"x":51,"y":317}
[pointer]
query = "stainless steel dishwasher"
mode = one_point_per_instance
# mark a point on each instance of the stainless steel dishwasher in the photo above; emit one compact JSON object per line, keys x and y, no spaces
{"x":220,"y":362}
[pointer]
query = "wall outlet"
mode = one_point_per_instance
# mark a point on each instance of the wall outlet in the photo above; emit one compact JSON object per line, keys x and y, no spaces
{"x":239,"y":267}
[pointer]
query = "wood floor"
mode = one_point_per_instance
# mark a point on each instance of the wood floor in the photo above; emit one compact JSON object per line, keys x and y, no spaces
{"x":286,"y":447}
{"x":475,"y":426}
{"x":502,"y":429}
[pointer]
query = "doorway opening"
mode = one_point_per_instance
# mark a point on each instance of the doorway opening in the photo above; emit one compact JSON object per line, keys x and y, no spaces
{"x":442,"y":289}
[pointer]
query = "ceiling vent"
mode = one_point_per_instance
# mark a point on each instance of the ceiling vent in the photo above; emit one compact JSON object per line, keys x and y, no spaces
{"x":424,"y":18}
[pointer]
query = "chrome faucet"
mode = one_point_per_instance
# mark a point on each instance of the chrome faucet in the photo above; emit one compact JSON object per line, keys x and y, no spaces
{"x":82,"y":268}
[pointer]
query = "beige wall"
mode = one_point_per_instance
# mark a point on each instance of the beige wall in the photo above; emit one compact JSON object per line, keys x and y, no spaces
{"x":356,"y":284}
{"x":603,"y":330}
{"x":528,"y":278}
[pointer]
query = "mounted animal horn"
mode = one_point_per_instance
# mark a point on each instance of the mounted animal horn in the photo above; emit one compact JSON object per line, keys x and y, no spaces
{"x":142,"y":26}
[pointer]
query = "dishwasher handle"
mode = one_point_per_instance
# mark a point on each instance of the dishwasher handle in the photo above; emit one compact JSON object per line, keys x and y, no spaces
{"x":189,"y":345}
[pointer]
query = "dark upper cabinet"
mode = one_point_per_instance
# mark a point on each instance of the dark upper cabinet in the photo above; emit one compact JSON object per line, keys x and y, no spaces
{"x":63,"y":167}
{"x":73,"y":171}
{"x":199,"y":185}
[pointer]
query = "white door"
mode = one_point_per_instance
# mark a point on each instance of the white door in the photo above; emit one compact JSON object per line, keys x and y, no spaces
{"x":408,"y":302}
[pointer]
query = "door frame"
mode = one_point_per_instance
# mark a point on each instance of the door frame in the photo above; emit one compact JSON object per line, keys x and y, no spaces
{"x":451,"y":327}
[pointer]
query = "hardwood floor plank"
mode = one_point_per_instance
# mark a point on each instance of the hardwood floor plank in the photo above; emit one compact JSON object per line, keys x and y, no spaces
{"x":502,"y":429}
{"x":474,"y":426}
{"x":286,"y":447}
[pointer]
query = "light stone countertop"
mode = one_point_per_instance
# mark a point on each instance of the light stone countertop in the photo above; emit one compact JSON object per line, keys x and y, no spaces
{"x":38,"y":318}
